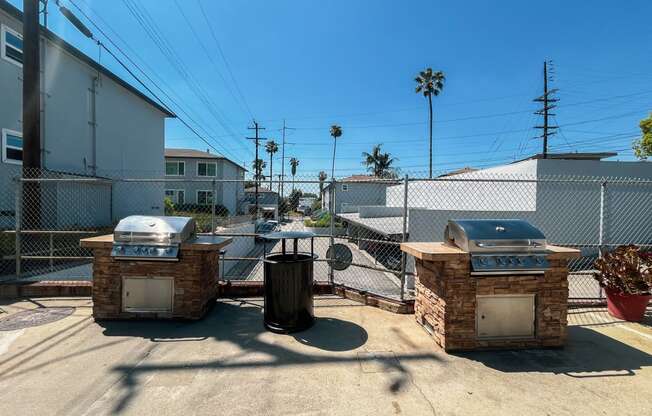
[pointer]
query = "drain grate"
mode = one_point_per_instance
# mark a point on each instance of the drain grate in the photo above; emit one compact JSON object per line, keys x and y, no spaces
{"x":33,"y":317}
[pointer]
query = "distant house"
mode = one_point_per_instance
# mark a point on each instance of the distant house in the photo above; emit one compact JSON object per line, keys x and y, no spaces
{"x":356,"y":190}
{"x":197,"y":170}
{"x":93,"y":123}
{"x":267,"y":201}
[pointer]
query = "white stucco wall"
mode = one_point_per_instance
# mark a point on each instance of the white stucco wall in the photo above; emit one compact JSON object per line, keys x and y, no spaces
{"x":129,"y":133}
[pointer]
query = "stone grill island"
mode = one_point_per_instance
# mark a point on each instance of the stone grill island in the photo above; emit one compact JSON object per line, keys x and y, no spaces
{"x":466,"y":312}
{"x":178,"y":280}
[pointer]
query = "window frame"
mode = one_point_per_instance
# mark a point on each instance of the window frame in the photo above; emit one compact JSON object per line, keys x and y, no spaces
{"x":208,"y":191}
{"x":4,"y":29}
{"x":177,"y":162}
{"x":5,"y":159}
{"x":175,"y":195}
{"x":207,"y":175}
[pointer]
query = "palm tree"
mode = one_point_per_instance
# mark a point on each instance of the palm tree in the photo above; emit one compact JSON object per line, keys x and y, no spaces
{"x":379,"y":163}
{"x":336,"y":131}
{"x":271,"y":147}
{"x":294,"y":162}
{"x":322,"y":178}
{"x":430,"y":83}
{"x":258,"y":165}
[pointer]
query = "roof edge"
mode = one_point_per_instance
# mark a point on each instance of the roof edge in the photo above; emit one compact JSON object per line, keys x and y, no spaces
{"x":57,"y":40}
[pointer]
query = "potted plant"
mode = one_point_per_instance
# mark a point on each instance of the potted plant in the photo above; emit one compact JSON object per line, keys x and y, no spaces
{"x":626,"y":276}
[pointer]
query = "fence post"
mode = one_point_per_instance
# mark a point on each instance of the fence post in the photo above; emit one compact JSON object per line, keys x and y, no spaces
{"x":18,"y":219}
{"x":214,"y":195}
{"x":603,"y":189}
{"x":331,"y":275}
{"x":404,"y":239}
{"x":51,"y":251}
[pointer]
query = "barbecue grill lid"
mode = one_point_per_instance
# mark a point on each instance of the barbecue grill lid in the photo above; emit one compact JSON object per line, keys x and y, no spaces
{"x":154,"y":228}
{"x":498,"y":229}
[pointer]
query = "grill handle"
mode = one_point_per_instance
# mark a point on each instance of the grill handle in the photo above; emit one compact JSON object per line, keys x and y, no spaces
{"x":529,"y":244}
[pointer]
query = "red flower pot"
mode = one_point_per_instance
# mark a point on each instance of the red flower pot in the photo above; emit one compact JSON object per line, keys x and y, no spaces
{"x":627,"y":307}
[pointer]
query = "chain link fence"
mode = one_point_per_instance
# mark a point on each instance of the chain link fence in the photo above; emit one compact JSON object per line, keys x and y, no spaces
{"x":44,"y":214}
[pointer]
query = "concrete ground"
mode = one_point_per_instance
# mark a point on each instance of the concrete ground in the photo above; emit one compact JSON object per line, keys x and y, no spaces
{"x":356,"y":360}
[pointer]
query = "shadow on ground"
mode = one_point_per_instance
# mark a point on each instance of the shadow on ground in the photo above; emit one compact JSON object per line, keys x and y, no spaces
{"x":241,"y":323}
{"x":587,"y":354}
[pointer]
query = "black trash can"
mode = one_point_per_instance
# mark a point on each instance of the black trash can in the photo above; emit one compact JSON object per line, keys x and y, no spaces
{"x":288,"y":284}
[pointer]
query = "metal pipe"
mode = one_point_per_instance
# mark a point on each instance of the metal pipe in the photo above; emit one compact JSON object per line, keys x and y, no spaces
{"x":214,"y":195}
{"x":603,"y":188}
{"x":93,"y":124}
{"x":404,"y":239}
{"x":18,"y":221}
{"x":331,"y":273}
{"x":51,"y":252}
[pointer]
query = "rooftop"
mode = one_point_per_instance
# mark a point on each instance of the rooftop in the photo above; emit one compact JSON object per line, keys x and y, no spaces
{"x":355,"y":360}
{"x":197,"y":154}
{"x":572,"y":156}
{"x":192,"y":153}
{"x":466,"y":169}
{"x":18,"y":14}
{"x":386,"y":226}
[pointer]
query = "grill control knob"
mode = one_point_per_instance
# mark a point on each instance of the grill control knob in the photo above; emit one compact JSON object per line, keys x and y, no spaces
{"x":499,"y":260}
{"x":538,"y":259}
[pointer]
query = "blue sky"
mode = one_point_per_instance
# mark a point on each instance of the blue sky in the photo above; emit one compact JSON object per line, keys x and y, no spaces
{"x":315,"y":63}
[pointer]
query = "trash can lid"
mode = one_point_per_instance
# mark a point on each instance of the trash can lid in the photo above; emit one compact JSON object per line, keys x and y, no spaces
{"x":281,"y":235}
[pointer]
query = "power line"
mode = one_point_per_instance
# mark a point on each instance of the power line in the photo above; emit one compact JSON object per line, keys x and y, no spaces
{"x":150,"y":27}
{"x":208,"y":55}
{"x":140,"y":81}
{"x":226,"y":62}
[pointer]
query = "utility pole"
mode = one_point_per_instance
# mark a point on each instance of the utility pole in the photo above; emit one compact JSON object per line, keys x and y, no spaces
{"x":283,"y":158}
{"x":31,"y":112}
{"x":547,"y":106}
{"x":256,"y":173}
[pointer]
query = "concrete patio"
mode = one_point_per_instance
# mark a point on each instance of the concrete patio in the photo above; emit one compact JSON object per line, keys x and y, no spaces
{"x":356,"y":360}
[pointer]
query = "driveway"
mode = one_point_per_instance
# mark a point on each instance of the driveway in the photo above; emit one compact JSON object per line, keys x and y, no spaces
{"x":356,"y":360}
{"x":362,"y":278}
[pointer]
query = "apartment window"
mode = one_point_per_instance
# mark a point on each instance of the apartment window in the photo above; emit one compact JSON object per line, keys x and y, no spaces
{"x":345,"y":187}
{"x":178,"y":196}
{"x":204,"y":197}
{"x":175,"y":168}
{"x":12,"y":147}
{"x":206,"y":169}
{"x":12,"y":46}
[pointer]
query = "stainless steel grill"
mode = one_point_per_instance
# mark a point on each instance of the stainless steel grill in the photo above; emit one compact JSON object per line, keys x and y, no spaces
{"x":500,"y":247}
{"x":156,"y":238}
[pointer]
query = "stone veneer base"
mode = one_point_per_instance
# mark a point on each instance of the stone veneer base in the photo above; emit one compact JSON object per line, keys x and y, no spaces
{"x":195,"y":284}
{"x":445,"y":303}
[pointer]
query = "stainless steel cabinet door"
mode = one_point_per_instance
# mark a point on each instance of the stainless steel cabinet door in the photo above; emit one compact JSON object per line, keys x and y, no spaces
{"x":505,"y":316}
{"x":147,"y":294}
